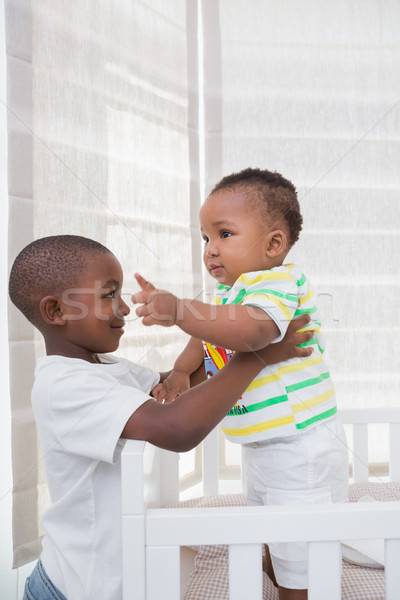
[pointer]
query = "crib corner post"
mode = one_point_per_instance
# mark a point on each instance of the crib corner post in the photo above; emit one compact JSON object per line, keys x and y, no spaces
{"x":169,"y":465}
{"x":210,"y":456}
{"x":133,"y":569}
{"x":163,"y":572}
{"x":133,"y":526}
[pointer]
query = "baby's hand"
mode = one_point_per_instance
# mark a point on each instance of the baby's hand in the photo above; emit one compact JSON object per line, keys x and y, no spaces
{"x":159,"y":307}
{"x":173,"y":385}
{"x":159,"y":393}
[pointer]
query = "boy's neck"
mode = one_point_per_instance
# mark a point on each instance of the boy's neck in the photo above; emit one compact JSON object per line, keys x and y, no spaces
{"x":54,"y":348}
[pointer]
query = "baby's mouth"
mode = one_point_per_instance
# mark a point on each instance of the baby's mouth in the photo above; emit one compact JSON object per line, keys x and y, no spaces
{"x":215,"y":269}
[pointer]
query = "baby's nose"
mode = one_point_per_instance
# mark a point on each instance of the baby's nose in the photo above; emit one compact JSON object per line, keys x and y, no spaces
{"x":212,"y":249}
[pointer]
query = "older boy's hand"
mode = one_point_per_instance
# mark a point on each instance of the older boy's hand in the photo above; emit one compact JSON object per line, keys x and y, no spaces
{"x":159,"y":307}
{"x":289,"y":347}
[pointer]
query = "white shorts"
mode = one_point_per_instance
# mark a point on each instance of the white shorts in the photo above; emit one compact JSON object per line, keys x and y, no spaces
{"x":308,"y":468}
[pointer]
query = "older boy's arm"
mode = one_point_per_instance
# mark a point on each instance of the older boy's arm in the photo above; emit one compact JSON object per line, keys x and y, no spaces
{"x":181,"y":425}
{"x":236,"y":327}
{"x":180,"y":380}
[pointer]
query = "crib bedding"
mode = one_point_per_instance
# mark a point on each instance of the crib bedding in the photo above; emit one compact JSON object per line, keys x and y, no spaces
{"x":209,"y":579}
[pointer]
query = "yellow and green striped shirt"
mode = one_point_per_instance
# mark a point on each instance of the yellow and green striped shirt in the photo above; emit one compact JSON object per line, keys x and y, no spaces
{"x":289,"y":396}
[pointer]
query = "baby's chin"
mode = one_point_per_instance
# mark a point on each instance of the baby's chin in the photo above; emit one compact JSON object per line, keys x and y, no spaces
{"x":227,"y":281}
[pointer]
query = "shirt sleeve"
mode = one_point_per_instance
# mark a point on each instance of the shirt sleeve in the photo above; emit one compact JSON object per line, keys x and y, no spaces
{"x":275,"y":291}
{"x":88,"y":417}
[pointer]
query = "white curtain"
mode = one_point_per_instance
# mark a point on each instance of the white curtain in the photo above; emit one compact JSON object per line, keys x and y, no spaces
{"x":312,"y":89}
{"x":103,"y":143}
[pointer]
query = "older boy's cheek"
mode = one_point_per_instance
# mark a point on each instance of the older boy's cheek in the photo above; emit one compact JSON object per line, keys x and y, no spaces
{"x":99,"y":312}
{"x":74,"y":310}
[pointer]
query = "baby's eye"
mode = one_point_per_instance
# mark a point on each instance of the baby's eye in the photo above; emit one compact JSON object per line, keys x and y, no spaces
{"x":205,"y":239}
{"x":225,"y":234}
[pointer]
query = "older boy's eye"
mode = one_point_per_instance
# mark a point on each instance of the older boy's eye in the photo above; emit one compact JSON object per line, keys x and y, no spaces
{"x":111,"y":294}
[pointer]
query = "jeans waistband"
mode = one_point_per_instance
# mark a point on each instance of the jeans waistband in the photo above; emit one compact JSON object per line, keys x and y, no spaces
{"x":39,"y":587}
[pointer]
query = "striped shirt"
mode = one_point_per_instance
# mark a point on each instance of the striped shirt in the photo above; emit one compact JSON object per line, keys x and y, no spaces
{"x":286,"y":397}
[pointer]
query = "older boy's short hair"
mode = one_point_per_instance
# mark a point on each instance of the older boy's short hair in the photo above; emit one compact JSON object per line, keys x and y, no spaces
{"x":48,"y":266}
{"x":274,"y":195}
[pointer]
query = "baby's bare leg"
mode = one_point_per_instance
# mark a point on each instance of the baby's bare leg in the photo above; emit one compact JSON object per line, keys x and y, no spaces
{"x":267,"y":566}
{"x":287,"y":594}
{"x":284,"y":593}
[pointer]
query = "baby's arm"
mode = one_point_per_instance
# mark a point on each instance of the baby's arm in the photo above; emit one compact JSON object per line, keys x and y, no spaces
{"x":185,"y":366}
{"x":178,"y":380}
{"x":230,"y":326}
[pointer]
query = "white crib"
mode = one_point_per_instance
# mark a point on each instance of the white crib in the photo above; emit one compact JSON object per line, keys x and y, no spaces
{"x":153,"y":535}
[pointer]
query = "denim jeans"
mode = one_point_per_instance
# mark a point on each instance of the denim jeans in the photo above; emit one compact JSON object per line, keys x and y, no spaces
{"x":39,"y":587}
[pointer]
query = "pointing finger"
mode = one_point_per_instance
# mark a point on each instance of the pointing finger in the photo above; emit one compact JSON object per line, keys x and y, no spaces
{"x":140,"y":297}
{"x":144,"y":284}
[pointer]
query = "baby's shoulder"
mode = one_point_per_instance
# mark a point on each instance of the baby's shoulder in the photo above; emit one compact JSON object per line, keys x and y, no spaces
{"x":288,"y":272}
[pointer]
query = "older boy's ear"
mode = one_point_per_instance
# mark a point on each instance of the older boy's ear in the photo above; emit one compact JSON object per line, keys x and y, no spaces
{"x":51,"y":311}
{"x":277,"y":243}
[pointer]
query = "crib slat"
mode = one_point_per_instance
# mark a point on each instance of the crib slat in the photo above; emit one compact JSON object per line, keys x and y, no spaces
{"x":245,"y":571}
{"x":394,"y":463}
{"x":392,"y":571}
{"x":162,"y":573}
{"x":324,"y":570}
{"x":360,"y":456}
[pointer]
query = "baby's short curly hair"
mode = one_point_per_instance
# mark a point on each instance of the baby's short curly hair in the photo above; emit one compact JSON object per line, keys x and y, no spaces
{"x":48,"y":266}
{"x":274,"y":195}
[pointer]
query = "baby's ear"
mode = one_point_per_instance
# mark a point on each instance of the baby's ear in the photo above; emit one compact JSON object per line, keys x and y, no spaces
{"x":51,"y":312}
{"x":277,"y":243}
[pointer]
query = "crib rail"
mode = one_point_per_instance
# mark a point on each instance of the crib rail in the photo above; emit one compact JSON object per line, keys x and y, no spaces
{"x":244,"y":530}
{"x":153,"y":536}
{"x":360,"y":419}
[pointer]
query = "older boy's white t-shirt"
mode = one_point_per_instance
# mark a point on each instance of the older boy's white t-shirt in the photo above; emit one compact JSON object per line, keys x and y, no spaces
{"x":81,"y":410}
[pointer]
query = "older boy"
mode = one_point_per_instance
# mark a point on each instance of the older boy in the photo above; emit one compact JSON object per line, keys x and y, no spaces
{"x":84,"y":401}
